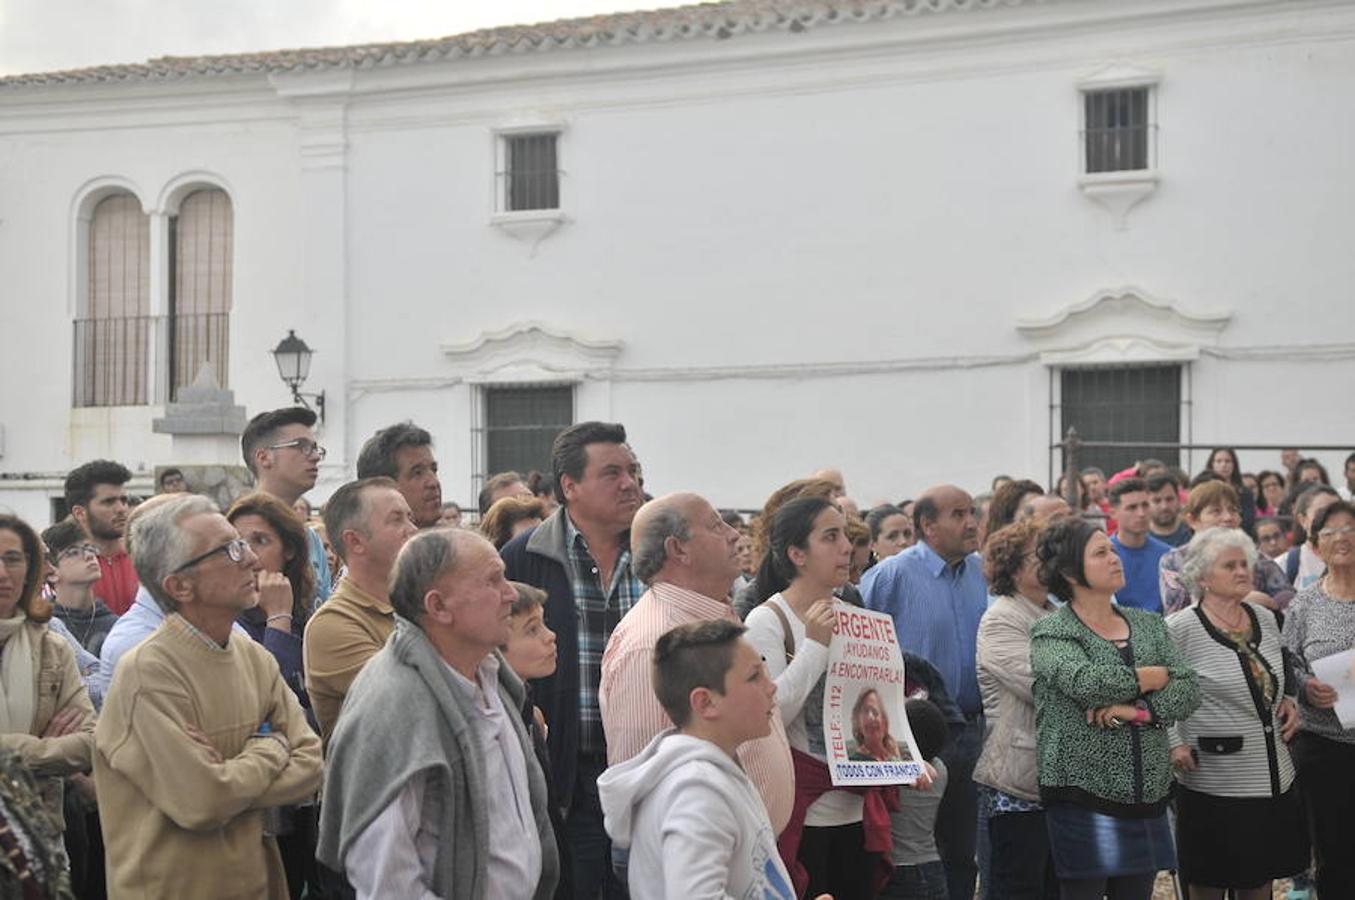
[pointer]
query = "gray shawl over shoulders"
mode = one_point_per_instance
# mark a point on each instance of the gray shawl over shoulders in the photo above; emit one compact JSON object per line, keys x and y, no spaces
{"x":402,"y":716}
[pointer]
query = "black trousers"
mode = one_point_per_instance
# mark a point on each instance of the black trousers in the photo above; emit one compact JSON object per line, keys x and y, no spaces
{"x":958,"y":817}
{"x":298,"y":853}
{"x":1118,"y":887}
{"x":589,"y":847}
{"x":1022,"y":866}
{"x":838,"y":863}
{"x":1327,"y":780}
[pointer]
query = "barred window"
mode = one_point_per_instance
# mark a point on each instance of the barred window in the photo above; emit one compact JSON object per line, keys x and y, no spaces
{"x":530,"y":174}
{"x":1123,"y":403}
{"x":520,"y":425}
{"x":1117,"y":129}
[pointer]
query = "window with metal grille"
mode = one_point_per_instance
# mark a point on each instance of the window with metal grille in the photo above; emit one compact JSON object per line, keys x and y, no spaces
{"x":201,"y":248}
{"x":1117,"y":129}
{"x":520,"y":424}
{"x":1133,"y":404}
{"x":530,"y":173}
{"x":113,"y":340}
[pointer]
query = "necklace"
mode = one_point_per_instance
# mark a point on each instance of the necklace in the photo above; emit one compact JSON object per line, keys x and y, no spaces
{"x":1222,"y":620}
{"x":74,"y":620}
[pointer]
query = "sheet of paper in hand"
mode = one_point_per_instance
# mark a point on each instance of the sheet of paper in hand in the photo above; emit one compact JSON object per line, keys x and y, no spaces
{"x":1338,"y":670}
{"x":865,"y":726}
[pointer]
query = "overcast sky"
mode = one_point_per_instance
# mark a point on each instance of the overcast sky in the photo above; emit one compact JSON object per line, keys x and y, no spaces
{"x":44,"y":35}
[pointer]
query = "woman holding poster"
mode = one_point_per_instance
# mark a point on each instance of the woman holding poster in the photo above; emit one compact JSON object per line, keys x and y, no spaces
{"x":808,"y":557}
{"x":1108,"y":680}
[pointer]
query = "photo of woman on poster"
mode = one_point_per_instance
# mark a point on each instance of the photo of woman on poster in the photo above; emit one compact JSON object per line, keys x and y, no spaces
{"x":871,"y":739}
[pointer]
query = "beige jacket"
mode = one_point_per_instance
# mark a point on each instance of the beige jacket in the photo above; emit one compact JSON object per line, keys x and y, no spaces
{"x":1008,"y":762}
{"x":59,"y":687}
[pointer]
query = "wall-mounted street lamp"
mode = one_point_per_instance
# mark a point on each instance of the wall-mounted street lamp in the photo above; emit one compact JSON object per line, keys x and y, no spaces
{"x":294,"y":364}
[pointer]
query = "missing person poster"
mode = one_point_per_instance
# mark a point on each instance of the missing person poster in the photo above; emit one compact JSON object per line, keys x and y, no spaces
{"x":866,"y":729}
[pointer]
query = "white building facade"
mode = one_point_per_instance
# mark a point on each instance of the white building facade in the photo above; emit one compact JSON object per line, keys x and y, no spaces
{"x":911,"y":239}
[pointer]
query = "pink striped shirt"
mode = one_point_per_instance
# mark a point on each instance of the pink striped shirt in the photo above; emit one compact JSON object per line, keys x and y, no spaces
{"x":632,"y":716}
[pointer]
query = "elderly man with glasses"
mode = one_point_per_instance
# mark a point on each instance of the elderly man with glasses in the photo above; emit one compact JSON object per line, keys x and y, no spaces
{"x":281,"y":451}
{"x":199,"y":733}
{"x":139,"y":622}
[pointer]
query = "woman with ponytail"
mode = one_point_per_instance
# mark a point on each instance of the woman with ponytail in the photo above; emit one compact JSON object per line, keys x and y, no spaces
{"x":808,"y":556}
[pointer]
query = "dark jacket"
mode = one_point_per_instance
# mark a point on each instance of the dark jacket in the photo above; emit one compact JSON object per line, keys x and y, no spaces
{"x":285,"y":647}
{"x":537,"y":557}
{"x":564,"y":888}
{"x":90,"y":626}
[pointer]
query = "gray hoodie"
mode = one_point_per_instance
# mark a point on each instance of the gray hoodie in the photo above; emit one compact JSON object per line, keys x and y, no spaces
{"x":694,"y":824}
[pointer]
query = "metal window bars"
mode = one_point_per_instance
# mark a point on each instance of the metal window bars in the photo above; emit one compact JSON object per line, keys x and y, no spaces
{"x":1117,"y":130}
{"x":139,"y":360}
{"x":531,"y":174}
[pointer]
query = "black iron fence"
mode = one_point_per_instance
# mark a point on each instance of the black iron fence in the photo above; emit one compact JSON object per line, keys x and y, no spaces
{"x":139,"y":360}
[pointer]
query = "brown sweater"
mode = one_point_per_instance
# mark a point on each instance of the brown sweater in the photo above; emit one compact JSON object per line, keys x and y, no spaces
{"x":177,"y":823}
{"x":346,"y":631}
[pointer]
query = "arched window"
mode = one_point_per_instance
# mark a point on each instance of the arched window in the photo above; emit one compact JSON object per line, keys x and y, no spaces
{"x":201,"y":247}
{"x":112,"y":339}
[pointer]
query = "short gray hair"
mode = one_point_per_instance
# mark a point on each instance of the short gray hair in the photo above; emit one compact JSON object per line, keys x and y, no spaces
{"x":1204,"y":550}
{"x":158,"y":544}
{"x":648,"y":550}
{"x":423,"y":560}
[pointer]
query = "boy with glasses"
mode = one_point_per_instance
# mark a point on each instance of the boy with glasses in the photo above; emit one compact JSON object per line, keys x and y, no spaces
{"x":76,"y":560}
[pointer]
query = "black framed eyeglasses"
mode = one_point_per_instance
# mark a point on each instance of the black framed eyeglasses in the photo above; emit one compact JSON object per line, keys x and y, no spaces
{"x":304,"y":446}
{"x":234,"y":549}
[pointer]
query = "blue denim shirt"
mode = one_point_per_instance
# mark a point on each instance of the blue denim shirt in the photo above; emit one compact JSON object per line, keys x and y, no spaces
{"x":936,"y":610}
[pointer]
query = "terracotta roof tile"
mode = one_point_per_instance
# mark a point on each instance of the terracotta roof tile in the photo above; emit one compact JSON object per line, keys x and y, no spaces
{"x":701,"y":21}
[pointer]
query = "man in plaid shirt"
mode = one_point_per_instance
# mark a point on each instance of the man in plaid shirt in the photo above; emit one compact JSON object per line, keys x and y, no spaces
{"x":581,"y":557}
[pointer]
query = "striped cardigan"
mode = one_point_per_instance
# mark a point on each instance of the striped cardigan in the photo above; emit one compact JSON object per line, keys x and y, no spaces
{"x":1235,"y":736}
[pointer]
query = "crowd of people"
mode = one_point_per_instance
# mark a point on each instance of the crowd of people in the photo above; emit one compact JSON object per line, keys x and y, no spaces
{"x":591,"y":692}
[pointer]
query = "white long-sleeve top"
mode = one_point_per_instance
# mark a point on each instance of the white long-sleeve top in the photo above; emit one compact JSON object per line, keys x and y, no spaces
{"x":799,"y":696}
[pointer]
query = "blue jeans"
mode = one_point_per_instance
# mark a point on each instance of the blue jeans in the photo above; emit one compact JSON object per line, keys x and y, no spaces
{"x":926,"y":881}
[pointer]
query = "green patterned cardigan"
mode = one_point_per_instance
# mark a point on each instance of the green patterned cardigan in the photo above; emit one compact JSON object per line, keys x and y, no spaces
{"x":1124,"y":771}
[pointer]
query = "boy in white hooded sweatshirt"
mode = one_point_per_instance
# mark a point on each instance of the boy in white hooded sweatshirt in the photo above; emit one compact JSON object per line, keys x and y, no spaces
{"x":694,"y":824}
